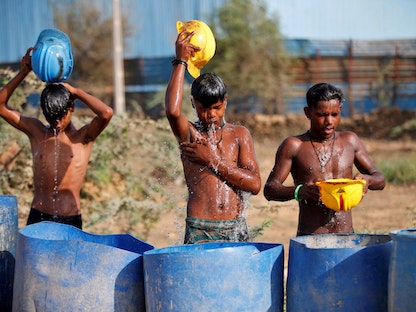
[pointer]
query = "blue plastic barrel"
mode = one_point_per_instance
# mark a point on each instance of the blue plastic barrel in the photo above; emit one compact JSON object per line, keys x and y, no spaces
{"x":402,"y":274}
{"x":335,"y":272}
{"x":61,"y":268}
{"x":8,"y":241}
{"x":229,"y":276}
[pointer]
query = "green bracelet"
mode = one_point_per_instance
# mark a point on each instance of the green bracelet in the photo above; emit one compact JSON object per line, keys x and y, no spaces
{"x":296,"y":194}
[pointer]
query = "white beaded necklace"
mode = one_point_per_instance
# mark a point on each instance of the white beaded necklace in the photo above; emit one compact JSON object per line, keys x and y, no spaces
{"x":325,"y":156}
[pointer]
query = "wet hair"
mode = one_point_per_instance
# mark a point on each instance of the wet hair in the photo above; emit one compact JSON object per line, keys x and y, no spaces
{"x":323,"y":92}
{"x":208,"y":89}
{"x":55,"y":101}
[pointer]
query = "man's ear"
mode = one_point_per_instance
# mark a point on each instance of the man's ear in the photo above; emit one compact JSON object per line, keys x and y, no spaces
{"x":225,"y":101}
{"x":72,"y":106}
{"x":307,"y":112}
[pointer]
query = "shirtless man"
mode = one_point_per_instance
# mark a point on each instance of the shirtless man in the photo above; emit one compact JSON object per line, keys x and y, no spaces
{"x":60,"y":151}
{"x":218,"y":158}
{"x":321,"y":153}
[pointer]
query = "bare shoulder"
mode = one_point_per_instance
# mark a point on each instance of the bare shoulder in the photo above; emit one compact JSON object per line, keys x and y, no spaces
{"x":32,"y":121}
{"x":238,"y":130}
{"x":291,"y":146}
{"x":235,"y":127}
{"x":33,"y":127}
{"x":349,"y":137}
{"x":294,"y":141}
{"x":80,"y":135}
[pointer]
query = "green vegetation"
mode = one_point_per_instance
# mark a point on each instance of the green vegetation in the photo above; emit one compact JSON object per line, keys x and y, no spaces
{"x":133,"y":167}
{"x":399,"y":171}
{"x":405,"y":130}
{"x":134,"y":175}
{"x":250,"y":56}
{"x":258,"y":230}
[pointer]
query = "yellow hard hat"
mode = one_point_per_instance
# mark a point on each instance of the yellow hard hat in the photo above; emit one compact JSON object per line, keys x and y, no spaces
{"x":202,"y":38}
{"x":341,"y":194}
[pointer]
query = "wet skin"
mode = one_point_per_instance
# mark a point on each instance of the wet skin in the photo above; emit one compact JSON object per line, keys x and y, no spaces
{"x":60,"y":151}
{"x":298,"y":156}
{"x":219,"y":168}
{"x":218,"y":158}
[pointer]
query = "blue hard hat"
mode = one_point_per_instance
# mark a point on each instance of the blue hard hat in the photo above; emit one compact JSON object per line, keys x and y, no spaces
{"x":52,"y":56}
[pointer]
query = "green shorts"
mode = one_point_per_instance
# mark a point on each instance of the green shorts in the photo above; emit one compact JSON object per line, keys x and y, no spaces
{"x":204,"y":231}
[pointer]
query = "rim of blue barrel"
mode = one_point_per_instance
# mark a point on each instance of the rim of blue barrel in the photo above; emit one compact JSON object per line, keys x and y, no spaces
{"x":212,"y":246}
{"x":123,"y":241}
{"x":8,"y":195}
{"x":408,"y":233}
{"x":316,"y":241}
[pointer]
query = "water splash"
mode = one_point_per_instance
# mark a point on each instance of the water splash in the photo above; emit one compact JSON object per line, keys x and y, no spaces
{"x":42,"y":176}
{"x":225,"y":191}
{"x":55,"y":178}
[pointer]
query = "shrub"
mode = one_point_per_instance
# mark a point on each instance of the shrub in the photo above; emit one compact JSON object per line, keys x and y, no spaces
{"x":399,"y":171}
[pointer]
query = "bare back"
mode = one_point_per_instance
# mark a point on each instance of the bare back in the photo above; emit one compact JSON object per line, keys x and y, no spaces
{"x":60,"y":151}
{"x":59,"y":165}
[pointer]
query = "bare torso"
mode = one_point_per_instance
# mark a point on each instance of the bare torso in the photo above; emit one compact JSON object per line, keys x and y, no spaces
{"x":59,"y":165}
{"x":320,"y":154}
{"x":210,"y":197}
{"x":314,"y":217}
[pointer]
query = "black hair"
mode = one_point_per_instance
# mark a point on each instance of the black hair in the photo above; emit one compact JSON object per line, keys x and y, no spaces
{"x":55,"y":101}
{"x":208,"y":89}
{"x":323,"y":92}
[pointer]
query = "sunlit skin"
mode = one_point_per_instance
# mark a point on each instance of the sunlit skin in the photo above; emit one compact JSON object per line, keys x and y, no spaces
{"x":297,"y":156}
{"x":218,"y":157}
{"x":60,"y":151}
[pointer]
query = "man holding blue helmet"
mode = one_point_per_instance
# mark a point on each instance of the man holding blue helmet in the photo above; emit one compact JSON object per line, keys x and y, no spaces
{"x":60,"y":150}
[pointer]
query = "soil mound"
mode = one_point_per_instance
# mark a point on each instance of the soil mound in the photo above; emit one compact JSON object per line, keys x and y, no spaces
{"x":389,"y":123}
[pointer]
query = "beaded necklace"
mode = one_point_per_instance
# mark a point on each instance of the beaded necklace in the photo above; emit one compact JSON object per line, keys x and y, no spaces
{"x":323,"y":156}
{"x":201,"y":128}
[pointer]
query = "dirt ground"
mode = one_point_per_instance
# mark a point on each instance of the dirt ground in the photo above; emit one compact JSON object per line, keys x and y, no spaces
{"x":378,"y":213}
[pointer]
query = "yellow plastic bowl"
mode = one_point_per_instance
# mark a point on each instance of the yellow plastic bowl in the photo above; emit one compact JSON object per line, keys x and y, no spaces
{"x":202,"y":38}
{"x":341,"y":194}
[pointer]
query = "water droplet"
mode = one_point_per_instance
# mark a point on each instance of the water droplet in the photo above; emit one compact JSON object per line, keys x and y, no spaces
{"x":55,"y":179}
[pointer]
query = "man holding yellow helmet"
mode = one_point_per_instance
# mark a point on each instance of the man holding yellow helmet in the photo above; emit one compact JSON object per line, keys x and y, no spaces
{"x":218,"y":157}
{"x":204,"y":39}
{"x":321,"y":162}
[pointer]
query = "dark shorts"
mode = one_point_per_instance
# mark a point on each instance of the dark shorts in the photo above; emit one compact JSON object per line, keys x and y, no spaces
{"x":36,"y":216}
{"x":203,"y":231}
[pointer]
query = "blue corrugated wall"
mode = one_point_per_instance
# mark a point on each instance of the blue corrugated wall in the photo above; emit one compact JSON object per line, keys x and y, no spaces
{"x":20,"y":24}
{"x":154,"y":36}
{"x":153,"y":20}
